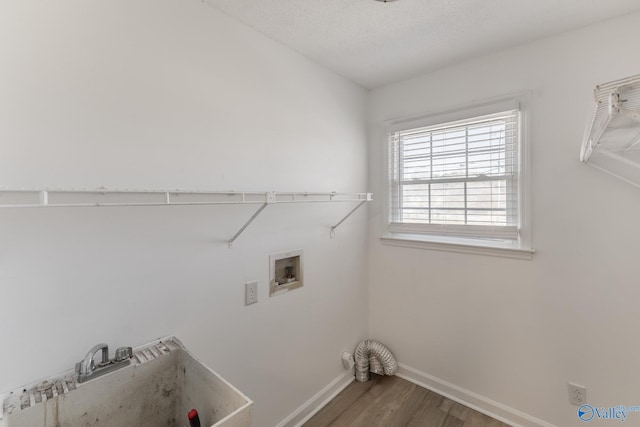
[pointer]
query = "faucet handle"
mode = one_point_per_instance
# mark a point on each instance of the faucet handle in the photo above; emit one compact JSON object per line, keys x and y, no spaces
{"x":123,"y":353}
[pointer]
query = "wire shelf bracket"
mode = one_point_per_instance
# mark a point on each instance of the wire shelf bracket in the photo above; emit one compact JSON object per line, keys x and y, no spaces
{"x":332,"y":233}
{"x":270,"y":199}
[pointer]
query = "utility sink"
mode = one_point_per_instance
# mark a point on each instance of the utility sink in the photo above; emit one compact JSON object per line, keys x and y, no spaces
{"x":161,"y":385}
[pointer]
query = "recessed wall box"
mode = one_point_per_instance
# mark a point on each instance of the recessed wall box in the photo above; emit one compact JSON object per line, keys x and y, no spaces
{"x":285,"y":271}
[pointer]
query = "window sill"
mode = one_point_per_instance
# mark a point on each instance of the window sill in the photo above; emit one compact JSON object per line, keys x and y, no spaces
{"x":465,"y":246}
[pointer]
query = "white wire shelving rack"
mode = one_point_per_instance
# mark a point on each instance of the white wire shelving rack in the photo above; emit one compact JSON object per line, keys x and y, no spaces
{"x":102,"y":197}
{"x":612,"y":137}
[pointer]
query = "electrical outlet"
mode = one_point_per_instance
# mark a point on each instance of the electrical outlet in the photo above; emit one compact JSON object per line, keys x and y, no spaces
{"x":577,"y":394}
{"x":250,"y":293}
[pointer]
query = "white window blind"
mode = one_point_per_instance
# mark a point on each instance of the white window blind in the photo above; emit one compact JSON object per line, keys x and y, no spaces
{"x":457,"y":178}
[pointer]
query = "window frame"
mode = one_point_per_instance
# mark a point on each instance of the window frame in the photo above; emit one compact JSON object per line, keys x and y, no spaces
{"x":463,"y":238}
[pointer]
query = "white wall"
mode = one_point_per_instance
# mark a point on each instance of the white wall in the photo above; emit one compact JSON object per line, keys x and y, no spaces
{"x":163,"y":95}
{"x":516,"y":331}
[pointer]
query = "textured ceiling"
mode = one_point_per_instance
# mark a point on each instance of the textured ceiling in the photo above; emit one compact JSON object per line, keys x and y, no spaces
{"x":373,"y":43}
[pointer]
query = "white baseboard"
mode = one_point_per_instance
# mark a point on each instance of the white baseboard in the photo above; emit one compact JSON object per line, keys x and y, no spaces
{"x":468,"y":398}
{"x":309,"y":408}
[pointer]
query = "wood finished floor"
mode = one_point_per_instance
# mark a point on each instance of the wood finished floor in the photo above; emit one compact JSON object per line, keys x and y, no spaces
{"x":391,"y":401}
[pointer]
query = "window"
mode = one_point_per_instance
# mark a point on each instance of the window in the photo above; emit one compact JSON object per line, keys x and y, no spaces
{"x":459,"y":178}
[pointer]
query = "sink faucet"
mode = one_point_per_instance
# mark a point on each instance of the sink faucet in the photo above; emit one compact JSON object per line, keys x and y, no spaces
{"x":88,"y":364}
{"x":87,"y":368}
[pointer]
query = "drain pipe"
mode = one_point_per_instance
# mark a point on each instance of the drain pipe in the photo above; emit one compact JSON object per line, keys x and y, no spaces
{"x":373,"y":356}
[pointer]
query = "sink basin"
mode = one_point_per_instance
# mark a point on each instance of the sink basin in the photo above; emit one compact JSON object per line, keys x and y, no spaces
{"x":161,"y":385}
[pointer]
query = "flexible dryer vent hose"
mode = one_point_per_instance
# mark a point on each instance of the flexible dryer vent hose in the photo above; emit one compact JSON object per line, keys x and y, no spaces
{"x":373,"y":356}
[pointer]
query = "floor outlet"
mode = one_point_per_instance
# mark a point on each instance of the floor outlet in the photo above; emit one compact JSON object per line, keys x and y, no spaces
{"x":577,"y":394}
{"x":250,"y":293}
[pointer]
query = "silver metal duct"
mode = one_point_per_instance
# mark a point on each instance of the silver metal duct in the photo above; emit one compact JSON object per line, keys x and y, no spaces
{"x":373,"y":356}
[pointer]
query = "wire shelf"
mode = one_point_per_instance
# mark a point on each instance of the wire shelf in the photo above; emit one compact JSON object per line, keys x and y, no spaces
{"x":102,"y":197}
{"x":612,"y":138}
